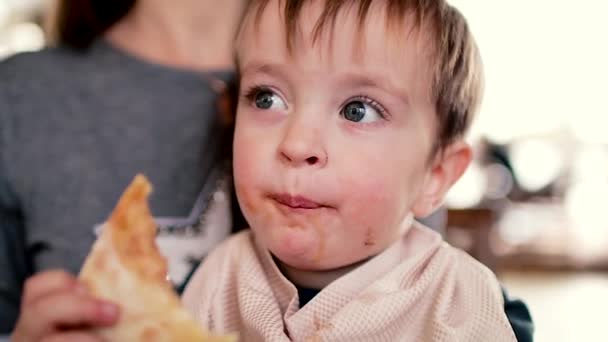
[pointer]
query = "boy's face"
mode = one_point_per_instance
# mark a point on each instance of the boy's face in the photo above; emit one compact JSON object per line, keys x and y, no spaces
{"x":332,"y":145}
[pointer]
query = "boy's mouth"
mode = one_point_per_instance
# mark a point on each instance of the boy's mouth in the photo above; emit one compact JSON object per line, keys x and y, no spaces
{"x":297,"y":202}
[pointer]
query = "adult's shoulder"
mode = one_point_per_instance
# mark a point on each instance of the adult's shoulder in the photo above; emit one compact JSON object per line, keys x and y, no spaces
{"x":27,"y":66}
{"x":27,"y":77}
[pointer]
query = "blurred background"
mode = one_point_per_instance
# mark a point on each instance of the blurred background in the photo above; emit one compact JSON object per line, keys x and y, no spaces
{"x":533,"y":205}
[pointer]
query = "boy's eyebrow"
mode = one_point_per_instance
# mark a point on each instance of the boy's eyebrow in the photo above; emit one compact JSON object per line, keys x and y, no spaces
{"x":265,"y":68}
{"x":375,"y":81}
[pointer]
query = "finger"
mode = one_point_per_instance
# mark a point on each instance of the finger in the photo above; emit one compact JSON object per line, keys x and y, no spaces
{"x":45,"y":283}
{"x":73,"y":336}
{"x":67,"y":309}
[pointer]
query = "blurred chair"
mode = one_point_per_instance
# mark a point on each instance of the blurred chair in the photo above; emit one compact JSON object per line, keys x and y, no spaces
{"x":470,"y":229}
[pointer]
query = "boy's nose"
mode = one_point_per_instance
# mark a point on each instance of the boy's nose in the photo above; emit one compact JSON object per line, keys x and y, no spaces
{"x":302,"y":146}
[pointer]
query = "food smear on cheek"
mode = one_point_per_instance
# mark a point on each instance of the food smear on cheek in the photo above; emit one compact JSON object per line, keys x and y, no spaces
{"x":370,"y":240}
{"x":321,"y":238}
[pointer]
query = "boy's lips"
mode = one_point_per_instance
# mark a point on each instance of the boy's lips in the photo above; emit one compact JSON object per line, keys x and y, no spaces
{"x":297,"y":202}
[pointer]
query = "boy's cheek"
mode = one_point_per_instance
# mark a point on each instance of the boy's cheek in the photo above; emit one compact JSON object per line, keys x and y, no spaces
{"x":246,"y":179}
{"x":247,"y":160}
{"x":374,"y":208}
{"x":371,"y":191}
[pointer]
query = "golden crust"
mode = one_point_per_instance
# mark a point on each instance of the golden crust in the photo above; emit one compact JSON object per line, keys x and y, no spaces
{"x":134,"y":232}
{"x":126,"y":267}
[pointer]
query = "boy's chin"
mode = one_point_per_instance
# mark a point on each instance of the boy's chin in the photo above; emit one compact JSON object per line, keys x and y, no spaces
{"x":302,"y":248}
{"x":325,"y":265}
{"x":297,"y":263}
{"x":311,"y":259}
{"x":299,"y":256}
{"x":284,"y":239}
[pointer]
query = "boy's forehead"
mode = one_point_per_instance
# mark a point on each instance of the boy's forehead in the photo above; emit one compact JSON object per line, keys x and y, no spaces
{"x":375,"y":42}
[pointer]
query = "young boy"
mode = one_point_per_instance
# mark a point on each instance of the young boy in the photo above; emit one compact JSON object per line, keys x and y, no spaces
{"x":350,"y":122}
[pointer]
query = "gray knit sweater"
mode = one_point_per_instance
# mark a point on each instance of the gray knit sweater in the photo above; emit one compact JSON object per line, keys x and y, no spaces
{"x":75,"y":128}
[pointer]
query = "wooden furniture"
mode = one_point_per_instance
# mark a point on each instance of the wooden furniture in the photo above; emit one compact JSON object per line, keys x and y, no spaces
{"x":471,"y":230}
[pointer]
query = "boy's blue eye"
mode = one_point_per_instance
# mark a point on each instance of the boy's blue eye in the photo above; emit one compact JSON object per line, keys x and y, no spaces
{"x":359,"y":111}
{"x":354,"y":111}
{"x":267,"y":99}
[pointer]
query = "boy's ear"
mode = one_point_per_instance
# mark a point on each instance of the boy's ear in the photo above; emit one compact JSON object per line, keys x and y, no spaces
{"x":447,"y":167}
